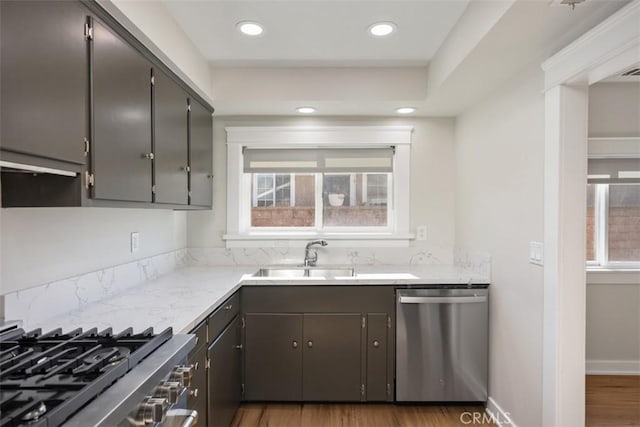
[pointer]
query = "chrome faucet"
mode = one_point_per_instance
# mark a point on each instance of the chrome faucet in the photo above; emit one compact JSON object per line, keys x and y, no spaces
{"x":310,"y":255}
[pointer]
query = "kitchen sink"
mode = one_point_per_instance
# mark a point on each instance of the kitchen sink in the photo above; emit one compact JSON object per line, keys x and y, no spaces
{"x":298,"y":272}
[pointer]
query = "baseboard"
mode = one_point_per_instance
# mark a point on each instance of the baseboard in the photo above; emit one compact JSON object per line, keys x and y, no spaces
{"x":498,"y":415}
{"x":613,"y":367}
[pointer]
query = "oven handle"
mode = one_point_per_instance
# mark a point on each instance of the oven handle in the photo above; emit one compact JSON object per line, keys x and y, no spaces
{"x":441,"y":300}
{"x":190,"y":417}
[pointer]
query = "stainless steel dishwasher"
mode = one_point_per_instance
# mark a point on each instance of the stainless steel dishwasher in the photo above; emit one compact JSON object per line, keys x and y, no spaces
{"x":442,"y":345}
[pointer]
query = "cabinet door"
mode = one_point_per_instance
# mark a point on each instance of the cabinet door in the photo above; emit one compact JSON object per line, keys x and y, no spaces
{"x":224,"y":376}
{"x":170,"y":141}
{"x":197,"y":398}
{"x":201,"y":155}
{"x":273,"y":357}
{"x":332,"y":357}
{"x":377,"y":342}
{"x":121,"y":119}
{"x":44,"y":79}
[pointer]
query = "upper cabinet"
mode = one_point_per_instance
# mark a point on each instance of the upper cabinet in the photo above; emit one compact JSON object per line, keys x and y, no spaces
{"x":121,"y":150}
{"x":43,"y":82}
{"x":171,"y":144}
{"x":200,"y":154}
{"x":82,"y":98}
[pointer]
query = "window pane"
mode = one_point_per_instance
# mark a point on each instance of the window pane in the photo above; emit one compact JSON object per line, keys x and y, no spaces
{"x":355,"y":200}
{"x":591,"y":222}
{"x":624,"y":222}
{"x":283,"y":200}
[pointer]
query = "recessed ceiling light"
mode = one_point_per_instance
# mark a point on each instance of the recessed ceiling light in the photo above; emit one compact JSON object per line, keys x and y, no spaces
{"x":306,"y":110}
{"x":381,"y":29}
{"x":249,"y":28}
{"x":405,"y":110}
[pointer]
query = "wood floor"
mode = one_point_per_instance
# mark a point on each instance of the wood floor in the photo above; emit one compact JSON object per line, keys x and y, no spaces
{"x":356,"y":415}
{"x":613,"y":400}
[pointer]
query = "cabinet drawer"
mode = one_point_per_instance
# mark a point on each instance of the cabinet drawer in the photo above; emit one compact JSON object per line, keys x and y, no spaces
{"x":197,"y":398}
{"x":201,"y":335}
{"x":223,"y":315}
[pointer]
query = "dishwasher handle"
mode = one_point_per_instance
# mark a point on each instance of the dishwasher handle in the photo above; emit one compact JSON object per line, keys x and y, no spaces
{"x":405,"y":299}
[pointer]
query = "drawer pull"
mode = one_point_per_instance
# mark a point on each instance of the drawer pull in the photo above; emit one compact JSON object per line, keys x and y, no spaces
{"x":196,"y":366}
{"x":376,"y":344}
{"x":310,"y":344}
{"x":197,"y":339}
{"x":193,"y":392}
{"x":294,"y":344}
{"x":228,"y":307}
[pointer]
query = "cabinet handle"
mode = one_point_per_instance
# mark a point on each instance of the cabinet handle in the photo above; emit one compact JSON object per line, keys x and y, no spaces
{"x":228,"y":307}
{"x":193,"y":392}
{"x":195,"y":366}
{"x":197,"y":339}
{"x":148,"y":156}
{"x":376,"y":344}
{"x":210,"y":176}
{"x":309,"y":343}
{"x":186,"y":168}
{"x":294,"y":344}
{"x":238,"y":347}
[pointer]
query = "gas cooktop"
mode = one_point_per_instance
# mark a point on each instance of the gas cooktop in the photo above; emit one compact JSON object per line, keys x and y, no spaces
{"x":47,"y":377}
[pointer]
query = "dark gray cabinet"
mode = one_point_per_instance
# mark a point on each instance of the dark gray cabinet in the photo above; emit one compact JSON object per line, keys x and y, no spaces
{"x":197,"y":398}
{"x":273,"y":357}
{"x":200,"y":155}
{"x":318,"y":343}
{"x":332,"y":357}
{"x":121,"y":156}
{"x":224,"y":376}
{"x":43,"y":82}
{"x":171,"y":162}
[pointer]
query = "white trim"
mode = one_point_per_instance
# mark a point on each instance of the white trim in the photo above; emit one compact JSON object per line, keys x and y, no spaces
{"x":613,"y":367}
{"x":277,"y":136}
{"x":498,"y":415}
{"x":605,"y":276}
{"x":607,"y":43}
{"x":565,"y":256}
{"x":614,"y":147}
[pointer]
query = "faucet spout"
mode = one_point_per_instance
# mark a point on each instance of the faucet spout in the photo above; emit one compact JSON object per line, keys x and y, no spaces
{"x":310,"y":255}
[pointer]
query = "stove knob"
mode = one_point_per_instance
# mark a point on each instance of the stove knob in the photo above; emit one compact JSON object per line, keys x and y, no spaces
{"x":152,"y":410}
{"x":170,"y":390}
{"x":182,"y":374}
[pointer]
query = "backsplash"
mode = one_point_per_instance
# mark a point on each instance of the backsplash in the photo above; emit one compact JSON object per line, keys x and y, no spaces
{"x":42,"y":302}
{"x":348,"y":256}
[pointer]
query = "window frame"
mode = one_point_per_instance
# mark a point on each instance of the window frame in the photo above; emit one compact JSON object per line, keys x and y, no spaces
{"x":241,"y":234}
{"x":601,"y":223}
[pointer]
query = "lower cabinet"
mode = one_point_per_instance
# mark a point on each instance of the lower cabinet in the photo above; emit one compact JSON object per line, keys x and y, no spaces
{"x":197,"y":398}
{"x":224,"y":375}
{"x":336,"y":348}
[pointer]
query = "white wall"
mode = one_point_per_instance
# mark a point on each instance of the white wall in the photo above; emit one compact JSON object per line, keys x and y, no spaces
{"x":40,"y":245}
{"x":432,"y":175}
{"x":499,"y":210}
{"x":613,"y":308}
{"x":158,"y":25}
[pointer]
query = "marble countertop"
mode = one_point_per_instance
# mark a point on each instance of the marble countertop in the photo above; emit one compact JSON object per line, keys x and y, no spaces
{"x":185,"y":297}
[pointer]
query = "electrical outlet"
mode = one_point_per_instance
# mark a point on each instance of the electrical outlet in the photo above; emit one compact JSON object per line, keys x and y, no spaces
{"x":536,"y":253}
{"x":135,"y":242}
{"x":421,"y":233}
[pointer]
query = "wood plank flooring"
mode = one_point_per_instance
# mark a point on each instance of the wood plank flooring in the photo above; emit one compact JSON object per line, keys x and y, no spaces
{"x":355,"y":415}
{"x":613,"y":400}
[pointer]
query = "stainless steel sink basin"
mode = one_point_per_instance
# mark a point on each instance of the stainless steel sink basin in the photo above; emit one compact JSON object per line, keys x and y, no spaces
{"x":297,"y":272}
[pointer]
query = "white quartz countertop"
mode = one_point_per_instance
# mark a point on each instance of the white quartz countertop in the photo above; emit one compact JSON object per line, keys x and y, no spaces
{"x":185,"y":297}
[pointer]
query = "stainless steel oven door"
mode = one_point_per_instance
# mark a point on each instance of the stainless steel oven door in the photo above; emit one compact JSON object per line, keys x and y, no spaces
{"x":181,"y":418}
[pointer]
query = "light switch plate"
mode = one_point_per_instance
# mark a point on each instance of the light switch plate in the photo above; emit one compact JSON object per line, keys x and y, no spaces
{"x":536,"y":253}
{"x":421,"y":232}
{"x":135,"y":242}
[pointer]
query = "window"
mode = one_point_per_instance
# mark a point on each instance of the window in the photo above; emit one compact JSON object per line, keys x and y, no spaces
{"x":613,"y":213}
{"x":299,"y":183}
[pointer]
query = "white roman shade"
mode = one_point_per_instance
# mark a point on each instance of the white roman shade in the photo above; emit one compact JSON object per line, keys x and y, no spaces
{"x":318,"y":160}
{"x":614,"y":171}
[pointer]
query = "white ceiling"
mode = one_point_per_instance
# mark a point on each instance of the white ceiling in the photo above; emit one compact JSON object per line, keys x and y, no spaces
{"x":446,"y":56}
{"x":313,"y":32}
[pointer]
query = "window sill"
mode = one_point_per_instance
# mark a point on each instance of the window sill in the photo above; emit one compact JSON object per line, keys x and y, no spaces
{"x":300,"y":239}
{"x":605,"y":276}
